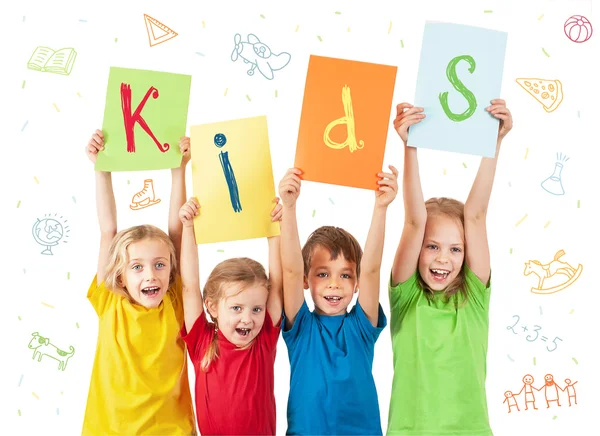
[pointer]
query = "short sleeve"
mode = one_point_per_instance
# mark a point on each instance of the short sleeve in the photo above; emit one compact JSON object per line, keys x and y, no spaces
{"x":302,"y":318}
{"x":198,"y":337}
{"x":100,"y":297}
{"x":367,"y":331}
{"x":478,"y":293}
{"x":398,"y":293}
{"x":270,"y":332}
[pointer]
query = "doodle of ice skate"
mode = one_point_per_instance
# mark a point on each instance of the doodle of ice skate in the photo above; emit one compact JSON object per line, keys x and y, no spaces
{"x":259,"y":55}
{"x":555,"y":267}
{"x":41,"y":346}
{"x":145,"y":197}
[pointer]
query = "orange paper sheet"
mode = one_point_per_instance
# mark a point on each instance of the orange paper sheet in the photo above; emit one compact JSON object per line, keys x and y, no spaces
{"x":344,"y":122}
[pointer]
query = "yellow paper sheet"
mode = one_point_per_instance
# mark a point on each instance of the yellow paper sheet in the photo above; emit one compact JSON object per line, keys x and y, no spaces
{"x":246,"y":149}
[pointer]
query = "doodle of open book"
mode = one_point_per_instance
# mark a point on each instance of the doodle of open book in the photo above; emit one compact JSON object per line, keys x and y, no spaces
{"x":558,"y":274}
{"x":52,"y":61}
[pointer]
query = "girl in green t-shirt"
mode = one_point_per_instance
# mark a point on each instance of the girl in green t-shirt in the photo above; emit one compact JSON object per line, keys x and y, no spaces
{"x":439,"y":299}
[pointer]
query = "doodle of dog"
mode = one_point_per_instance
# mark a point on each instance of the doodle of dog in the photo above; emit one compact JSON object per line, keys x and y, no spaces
{"x":41,"y":346}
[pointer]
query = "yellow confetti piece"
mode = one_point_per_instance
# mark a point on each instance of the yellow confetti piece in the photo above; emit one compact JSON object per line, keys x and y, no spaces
{"x":444,"y":171}
{"x":262,"y":16}
{"x":36,"y":180}
{"x":545,"y":52}
{"x":390,"y":28}
{"x":348,"y":29}
{"x":48,"y":305}
{"x":226,"y":89}
{"x":56,"y":107}
{"x":534,"y":361}
{"x":540,"y":17}
{"x":35,"y":395}
{"x":575,"y":360}
{"x":547,"y":224}
{"x":521,"y":220}
{"x":203,"y":24}
{"x":526,"y":153}
{"x":297,"y":27}
{"x":18,"y":203}
{"x":78,"y":94}
{"x":275,"y":93}
{"x":320,"y":39}
{"x":571,"y":312}
{"x":19,"y":412}
{"x":248,"y":97}
{"x":464,"y":165}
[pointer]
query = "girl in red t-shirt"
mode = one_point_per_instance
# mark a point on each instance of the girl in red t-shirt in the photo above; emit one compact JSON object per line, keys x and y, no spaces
{"x":234,"y":355}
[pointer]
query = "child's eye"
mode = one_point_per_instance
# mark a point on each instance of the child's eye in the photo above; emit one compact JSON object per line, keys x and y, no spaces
{"x":322,"y":275}
{"x":136,"y":267}
{"x":432,"y":247}
{"x":456,"y":250}
{"x":160,"y":265}
{"x":346,"y":276}
{"x":257,"y":309}
{"x":236,"y":308}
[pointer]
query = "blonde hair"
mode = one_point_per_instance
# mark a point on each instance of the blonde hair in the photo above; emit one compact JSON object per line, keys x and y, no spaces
{"x":118,"y":258}
{"x":454,"y":209}
{"x":240,"y":271}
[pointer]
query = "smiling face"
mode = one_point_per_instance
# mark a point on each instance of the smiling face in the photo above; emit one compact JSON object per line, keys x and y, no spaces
{"x":240,"y":314}
{"x":147,"y":272}
{"x":549,"y":379}
{"x":528,"y":379}
{"x":443,"y":251}
{"x":332,"y":282}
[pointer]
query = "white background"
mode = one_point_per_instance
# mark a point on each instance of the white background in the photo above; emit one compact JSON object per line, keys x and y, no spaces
{"x":44,"y":144}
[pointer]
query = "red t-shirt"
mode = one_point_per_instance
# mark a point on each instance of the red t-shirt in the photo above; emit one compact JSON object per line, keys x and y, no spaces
{"x":236,"y":394}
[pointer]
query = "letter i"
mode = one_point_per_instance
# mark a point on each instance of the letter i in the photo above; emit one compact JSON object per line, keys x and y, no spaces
{"x":234,"y":195}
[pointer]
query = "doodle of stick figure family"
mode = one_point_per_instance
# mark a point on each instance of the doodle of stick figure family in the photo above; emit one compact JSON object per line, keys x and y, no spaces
{"x":550,"y":388}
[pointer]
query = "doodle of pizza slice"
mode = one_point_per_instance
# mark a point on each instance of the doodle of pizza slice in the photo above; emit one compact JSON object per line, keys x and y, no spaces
{"x":157,"y":31}
{"x":548,"y":92}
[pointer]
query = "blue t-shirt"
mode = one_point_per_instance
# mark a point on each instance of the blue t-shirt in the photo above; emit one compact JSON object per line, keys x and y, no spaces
{"x":332,"y":390}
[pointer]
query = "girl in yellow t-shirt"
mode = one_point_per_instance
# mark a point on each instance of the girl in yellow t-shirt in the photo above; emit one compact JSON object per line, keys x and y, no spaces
{"x":139,"y":382}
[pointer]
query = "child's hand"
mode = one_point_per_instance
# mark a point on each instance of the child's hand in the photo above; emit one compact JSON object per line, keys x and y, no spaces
{"x":184,"y":147}
{"x":188,"y":211}
{"x":388,"y":188}
{"x":406,"y":116}
{"x":499,"y":110}
{"x":289,"y":187}
{"x":95,"y":145}
{"x":276,"y":213}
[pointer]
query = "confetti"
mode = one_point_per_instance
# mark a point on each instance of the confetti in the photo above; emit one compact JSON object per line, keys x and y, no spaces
{"x":200,"y":54}
{"x":203,"y":24}
{"x":35,"y":395}
{"x":226,"y":89}
{"x":83,"y":21}
{"x":220,"y":250}
{"x":571,"y":312}
{"x":262,"y":16}
{"x":331,"y":201}
{"x":521,"y":220}
{"x":297,"y":27}
{"x":23,"y":85}
{"x":338,"y":13}
{"x":541,"y":313}
{"x":20,"y":380}
{"x":578,"y":113}
{"x":348,"y":29}
{"x":488,"y":11}
{"x":24,"y":125}
{"x":77,"y":324}
{"x":320,"y":39}
{"x":24,"y":271}
{"x":248,"y":97}
{"x":464,"y":165}
{"x":128,"y":182}
{"x":57,"y":411}
{"x":18,"y":203}
{"x":56,"y":107}
{"x":78,"y":94}
{"x":511,"y":251}
{"x":74,"y":200}
{"x":526,"y":153}
{"x":575,"y":360}
{"x":534,"y":361}
{"x":509,"y":185}
{"x":48,"y":305}
{"x":36,"y":180}
{"x":545,"y":52}
{"x":547,"y":224}
{"x":401,"y":43}
{"x":314,"y":212}
{"x":19,"y":317}
{"x":20,"y":409}
{"x":275,"y":93}
{"x":511,"y":359}
{"x":554,"y":417}
{"x":444,"y":171}
{"x":540,"y":17}
{"x":390,"y":28}
{"x":68,"y":276}
{"x":116,"y":39}
{"x":578,"y":203}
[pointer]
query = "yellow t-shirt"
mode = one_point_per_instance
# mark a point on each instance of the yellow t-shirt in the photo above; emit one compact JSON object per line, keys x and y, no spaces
{"x":139,"y":382}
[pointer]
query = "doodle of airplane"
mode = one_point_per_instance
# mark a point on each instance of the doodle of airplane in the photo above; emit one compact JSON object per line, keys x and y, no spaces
{"x":259,"y":55}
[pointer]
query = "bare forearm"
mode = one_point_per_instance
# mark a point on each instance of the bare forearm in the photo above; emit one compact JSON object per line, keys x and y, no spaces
{"x":190,"y":275}
{"x":178,"y":196}
{"x":105,"y":203}
{"x":275,"y":273}
{"x":291,"y":253}
{"x":481,"y":191}
{"x":414,"y":203}
{"x":371,"y":260}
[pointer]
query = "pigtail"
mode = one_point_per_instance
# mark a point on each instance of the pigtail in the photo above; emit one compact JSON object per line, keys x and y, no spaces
{"x":212,"y":352}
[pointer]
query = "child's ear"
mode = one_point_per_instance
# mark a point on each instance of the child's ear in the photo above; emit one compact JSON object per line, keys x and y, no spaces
{"x":212,"y":309}
{"x":357,"y":287}
{"x":306,"y":282}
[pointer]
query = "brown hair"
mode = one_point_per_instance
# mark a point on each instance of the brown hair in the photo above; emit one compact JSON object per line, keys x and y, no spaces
{"x":336,"y":240}
{"x":117,"y":256}
{"x":454,"y":209}
{"x":240,"y":271}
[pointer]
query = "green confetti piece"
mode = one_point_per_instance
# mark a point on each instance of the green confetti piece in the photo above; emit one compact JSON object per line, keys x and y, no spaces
{"x":575,"y":360}
{"x":401,"y":43}
{"x":534,"y":361}
{"x":545,"y":52}
{"x":314,"y":212}
{"x":19,"y":317}
{"x":248,"y":97}
{"x":275,"y":93}
{"x":19,"y":409}
{"x":128,"y":182}
{"x":338,"y":13}
{"x":77,"y":324}
{"x":320,"y":39}
{"x":488,"y":11}
{"x":116,"y":39}
{"x":554,"y":417}
{"x":23,"y":85}
{"x":220,"y":250}
{"x":18,"y":203}
{"x":262,"y":16}
{"x":68,"y":276}
{"x":578,"y":204}
{"x":464,"y":165}
{"x":511,"y":251}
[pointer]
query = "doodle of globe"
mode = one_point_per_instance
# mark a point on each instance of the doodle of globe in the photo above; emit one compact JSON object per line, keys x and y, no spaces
{"x":47,"y":232}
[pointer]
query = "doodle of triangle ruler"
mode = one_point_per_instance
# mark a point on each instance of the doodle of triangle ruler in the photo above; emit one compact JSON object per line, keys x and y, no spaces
{"x":157,"y":31}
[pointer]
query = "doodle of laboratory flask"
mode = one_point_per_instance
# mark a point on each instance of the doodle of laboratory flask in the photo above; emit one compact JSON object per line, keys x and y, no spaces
{"x":553,"y":184}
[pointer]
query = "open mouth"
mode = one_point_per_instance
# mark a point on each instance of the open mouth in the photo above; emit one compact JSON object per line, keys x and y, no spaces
{"x":439,"y":274}
{"x":150,"y":291}
{"x":333,"y":299}
{"x":243,"y":332}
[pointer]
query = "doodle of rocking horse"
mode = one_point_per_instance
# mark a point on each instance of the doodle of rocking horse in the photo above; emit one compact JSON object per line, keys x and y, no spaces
{"x":555,"y":267}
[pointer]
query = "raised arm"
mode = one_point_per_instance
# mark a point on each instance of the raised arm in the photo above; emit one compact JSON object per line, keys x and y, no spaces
{"x":406,"y":260}
{"x":178,"y":195}
{"x":291,"y":252}
{"x":477,"y":251}
{"x":106,"y":207}
{"x":370,"y":266}
{"x":190,"y":272}
{"x":275,"y":301}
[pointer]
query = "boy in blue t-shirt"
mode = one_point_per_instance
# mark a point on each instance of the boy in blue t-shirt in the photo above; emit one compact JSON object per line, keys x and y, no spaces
{"x":332,"y":390}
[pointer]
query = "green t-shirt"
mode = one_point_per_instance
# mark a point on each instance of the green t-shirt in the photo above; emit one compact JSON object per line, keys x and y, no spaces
{"x":439,"y":361}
